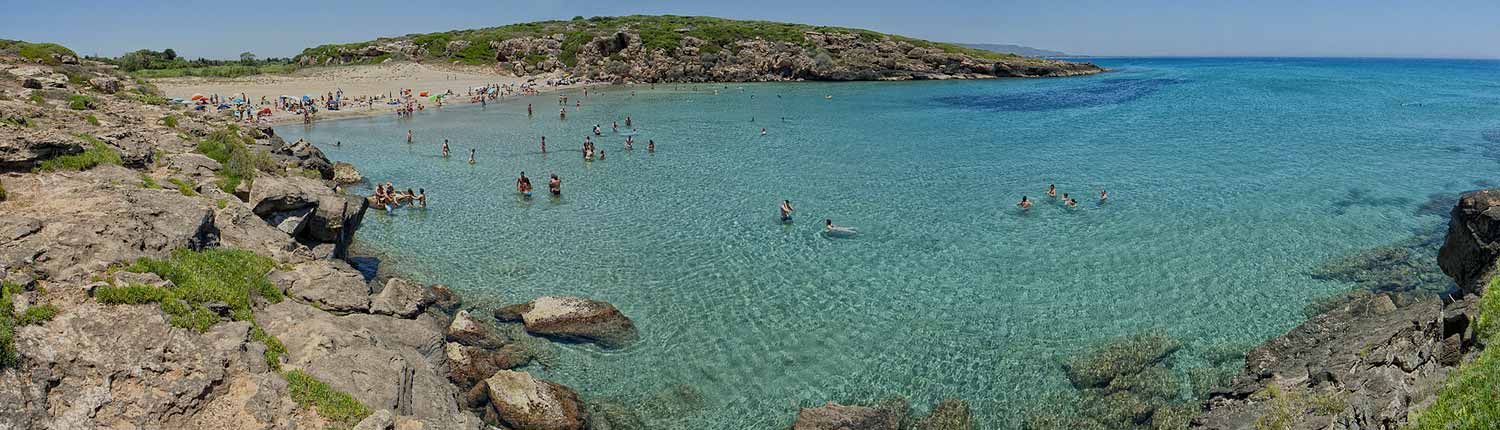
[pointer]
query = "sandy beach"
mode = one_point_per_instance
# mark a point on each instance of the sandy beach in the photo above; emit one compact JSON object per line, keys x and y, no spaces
{"x":355,"y":81}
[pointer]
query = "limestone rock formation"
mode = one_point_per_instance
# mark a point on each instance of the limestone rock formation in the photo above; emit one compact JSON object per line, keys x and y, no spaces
{"x":524,"y":402}
{"x":330,"y":285}
{"x":401,"y":298}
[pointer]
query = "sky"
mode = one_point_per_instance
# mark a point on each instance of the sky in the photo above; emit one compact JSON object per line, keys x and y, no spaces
{"x":280,"y":28}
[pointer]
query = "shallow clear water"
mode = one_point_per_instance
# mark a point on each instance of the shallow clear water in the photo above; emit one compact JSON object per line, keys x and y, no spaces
{"x":1229,"y":180}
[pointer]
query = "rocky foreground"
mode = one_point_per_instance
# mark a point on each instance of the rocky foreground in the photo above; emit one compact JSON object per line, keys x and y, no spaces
{"x":697,"y":49}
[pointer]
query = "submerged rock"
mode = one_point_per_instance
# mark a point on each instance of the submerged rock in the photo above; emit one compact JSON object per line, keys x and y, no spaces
{"x":574,"y":319}
{"x":524,"y":402}
{"x":345,"y":174}
{"x":950,"y":414}
{"x":833,"y":416}
{"x":1127,"y":357}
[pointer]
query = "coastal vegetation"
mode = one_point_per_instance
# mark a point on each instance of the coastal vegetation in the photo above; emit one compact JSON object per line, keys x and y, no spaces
{"x":1470,"y":399}
{"x":334,"y":405}
{"x":8,"y":355}
{"x":95,"y":154}
{"x":50,"y":54}
{"x":166,"y":63}
{"x":234,"y":278}
{"x":230,"y":149}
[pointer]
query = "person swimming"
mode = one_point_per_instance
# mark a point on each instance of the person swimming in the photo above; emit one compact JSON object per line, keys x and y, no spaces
{"x":554,"y":185}
{"x":1052,"y":190}
{"x":445,"y":148}
{"x":1066,"y":198}
{"x":471,"y":155}
{"x":601,"y":155}
{"x":829,"y":228}
{"x":1025,"y":203}
{"x":651,"y":146}
{"x":615,"y":127}
{"x":1103,"y":196}
{"x":562,"y":113}
{"x":596,"y":130}
{"x":763,"y":132}
{"x":786,"y":211}
{"x":1072,"y":203}
{"x":629,"y":143}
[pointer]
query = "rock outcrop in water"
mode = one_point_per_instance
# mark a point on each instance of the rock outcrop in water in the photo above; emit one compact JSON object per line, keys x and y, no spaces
{"x":573,"y":319}
{"x":1369,"y":362}
{"x":699,"y":49}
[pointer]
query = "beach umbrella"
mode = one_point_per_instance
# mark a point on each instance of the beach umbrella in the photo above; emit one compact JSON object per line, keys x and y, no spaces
{"x":264,"y":111}
{"x":422,"y":94}
{"x":197,"y":97}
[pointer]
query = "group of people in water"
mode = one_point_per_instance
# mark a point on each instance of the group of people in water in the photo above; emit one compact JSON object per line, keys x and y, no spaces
{"x":1067,"y":200}
{"x":386,"y":196}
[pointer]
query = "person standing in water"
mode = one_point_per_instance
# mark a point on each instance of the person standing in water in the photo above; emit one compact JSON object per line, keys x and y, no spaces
{"x":615,"y":127}
{"x":471,"y":155}
{"x":523,"y":185}
{"x":408,"y":136}
{"x":544,"y":144}
{"x":1025,"y":203}
{"x":786,"y":211}
{"x":554,"y":185}
{"x":528,"y":109}
{"x":651,"y":146}
{"x":627,"y":120}
{"x":445,"y":148}
{"x":562,"y":113}
{"x":1103,"y":196}
{"x":762,"y":131}
{"x":1052,"y":190}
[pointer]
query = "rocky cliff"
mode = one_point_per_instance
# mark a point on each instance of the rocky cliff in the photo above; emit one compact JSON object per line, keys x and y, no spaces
{"x":697,"y":49}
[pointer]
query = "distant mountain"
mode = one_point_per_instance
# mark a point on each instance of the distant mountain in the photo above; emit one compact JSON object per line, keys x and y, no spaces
{"x":1024,"y":51}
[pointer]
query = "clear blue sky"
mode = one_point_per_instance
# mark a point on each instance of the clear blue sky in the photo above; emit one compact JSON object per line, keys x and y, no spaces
{"x":223,"y":29}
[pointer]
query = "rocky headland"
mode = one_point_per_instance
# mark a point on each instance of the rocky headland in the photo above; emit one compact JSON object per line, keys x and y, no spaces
{"x":696,"y":49}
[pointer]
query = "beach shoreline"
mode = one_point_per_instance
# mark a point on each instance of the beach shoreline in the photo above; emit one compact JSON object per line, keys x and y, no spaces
{"x":355,"y":81}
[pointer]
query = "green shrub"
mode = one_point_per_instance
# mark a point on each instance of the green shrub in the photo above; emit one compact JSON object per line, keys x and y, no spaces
{"x":232,"y":150}
{"x":148,"y":182}
{"x":334,"y":405}
{"x":37,"y":315}
{"x":145,"y":97}
{"x":97,"y":154}
{"x":169,"y":121}
{"x":8,"y":355}
{"x":1488,"y":324}
{"x":232,"y":277}
{"x":222,"y":203}
{"x":18,"y":121}
{"x":184,"y":187}
{"x":274,"y":348}
{"x":37,"y":98}
{"x":92,"y":120}
{"x":80,"y":102}
{"x":3,"y":196}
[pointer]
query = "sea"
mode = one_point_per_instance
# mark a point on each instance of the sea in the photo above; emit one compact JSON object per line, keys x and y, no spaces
{"x":1231,"y":183}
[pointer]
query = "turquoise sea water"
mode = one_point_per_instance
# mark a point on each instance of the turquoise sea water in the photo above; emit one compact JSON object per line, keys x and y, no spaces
{"x":1230,"y":179}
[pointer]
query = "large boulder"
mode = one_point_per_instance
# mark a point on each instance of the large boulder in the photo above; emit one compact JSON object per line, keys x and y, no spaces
{"x":833,"y":416}
{"x":272,"y":194}
{"x":1473,"y":242}
{"x":336,"y":219}
{"x":575,"y":319}
{"x":401,"y":298}
{"x":524,"y":402}
{"x":331,"y":285}
{"x":467,"y":365}
{"x":345,"y":174}
{"x":106,"y":84}
{"x":469,"y":331}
